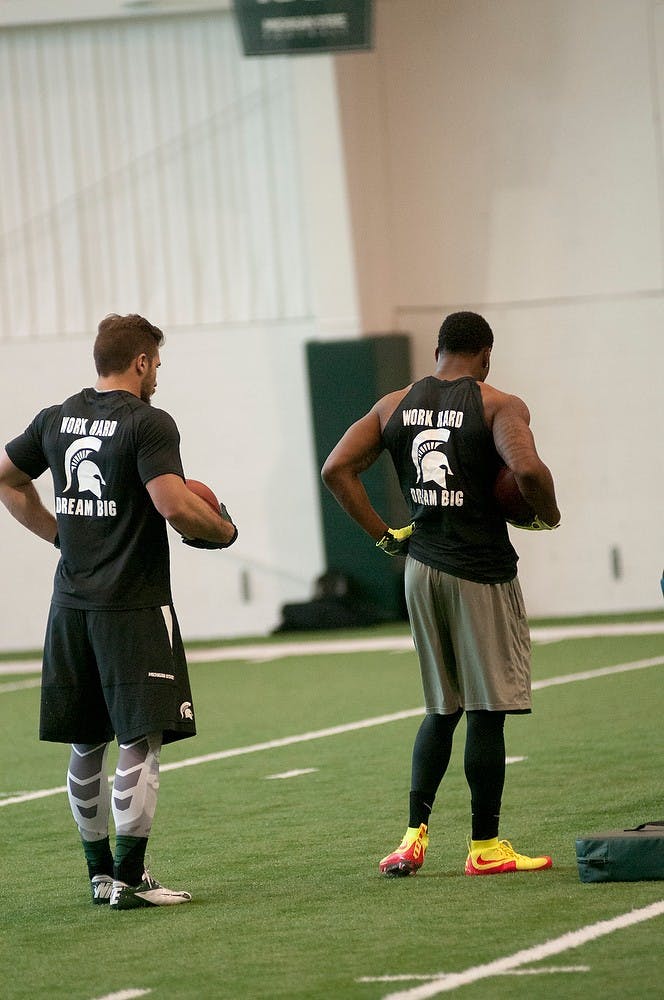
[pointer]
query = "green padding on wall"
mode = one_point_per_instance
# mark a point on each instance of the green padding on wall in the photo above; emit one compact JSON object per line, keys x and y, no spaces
{"x":345,"y":379}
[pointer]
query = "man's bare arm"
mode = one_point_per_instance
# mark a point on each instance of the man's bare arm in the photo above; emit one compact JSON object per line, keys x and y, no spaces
{"x":357,"y":450}
{"x":20,"y":497}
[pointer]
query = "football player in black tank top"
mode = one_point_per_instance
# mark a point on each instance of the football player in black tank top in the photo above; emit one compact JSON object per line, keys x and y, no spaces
{"x":448,"y":435}
{"x":114,"y":663}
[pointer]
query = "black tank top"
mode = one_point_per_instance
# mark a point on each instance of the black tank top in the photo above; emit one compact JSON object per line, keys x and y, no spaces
{"x":446,"y":461}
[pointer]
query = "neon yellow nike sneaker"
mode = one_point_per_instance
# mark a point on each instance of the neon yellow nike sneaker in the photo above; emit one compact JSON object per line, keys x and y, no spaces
{"x":409,"y":855}
{"x":495,"y":857}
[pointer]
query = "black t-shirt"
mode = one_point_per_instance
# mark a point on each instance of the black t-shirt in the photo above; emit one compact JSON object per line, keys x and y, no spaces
{"x":102,"y":448}
{"x":446,"y":461}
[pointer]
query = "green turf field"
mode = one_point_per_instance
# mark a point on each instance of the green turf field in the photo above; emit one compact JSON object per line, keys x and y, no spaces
{"x":287,"y":898}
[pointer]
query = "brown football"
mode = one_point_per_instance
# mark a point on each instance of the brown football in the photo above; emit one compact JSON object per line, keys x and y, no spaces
{"x":204,"y":492}
{"x":509,"y":498}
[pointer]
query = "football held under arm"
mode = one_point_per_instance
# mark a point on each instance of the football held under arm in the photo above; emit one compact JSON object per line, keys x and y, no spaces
{"x":516,"y":446}
{"x":160,"y":469}
{"x":187,"y":513}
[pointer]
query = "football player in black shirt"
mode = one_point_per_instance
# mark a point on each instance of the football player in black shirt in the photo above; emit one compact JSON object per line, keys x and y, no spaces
{"x":114,"y":662}
{"x":448,"y":435}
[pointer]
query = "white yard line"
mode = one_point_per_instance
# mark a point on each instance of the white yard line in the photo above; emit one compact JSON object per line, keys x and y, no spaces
{"x":291,"y":774}
{"x":266,"y":652}
{"x":555,"y":633}
{"x":547,"y":970}
{"x":347,"y":727}
{"x":20,"y":667}
{"x":43,"y":793}
{"x":586,"y":675}
{"x":34,"y":682}
{"x":501,"y":966}
{"x":125,"y":995}
{"x":284,"y":741}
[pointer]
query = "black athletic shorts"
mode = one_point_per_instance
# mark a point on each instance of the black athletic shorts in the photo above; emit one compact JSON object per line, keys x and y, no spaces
{"x":114,"y":673}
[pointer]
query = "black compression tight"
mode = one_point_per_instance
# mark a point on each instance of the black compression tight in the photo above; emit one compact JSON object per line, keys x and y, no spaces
{"x":431,"y":755}
{"x":484,"y":766}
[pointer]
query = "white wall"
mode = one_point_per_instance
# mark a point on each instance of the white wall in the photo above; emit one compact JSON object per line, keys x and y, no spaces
{"x":507,"y":157}
{"x":504,"y":156}
{"x":19,"y":12}
{"x":147,"y":162}
{"x":149,"y":168}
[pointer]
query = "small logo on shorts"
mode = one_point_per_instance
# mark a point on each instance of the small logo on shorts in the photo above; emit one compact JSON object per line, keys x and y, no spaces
{"x":186,"y":711}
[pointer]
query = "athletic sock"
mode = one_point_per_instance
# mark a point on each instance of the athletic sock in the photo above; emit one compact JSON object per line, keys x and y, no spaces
{"x":484,"y":845}
{"x":98,"y":856}
{"x":129,"y":862}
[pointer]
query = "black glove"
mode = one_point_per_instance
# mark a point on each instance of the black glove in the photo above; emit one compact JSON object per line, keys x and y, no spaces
{"x":201,"y":543}
{"x":534,"y":524}
{"x":395,"y":540}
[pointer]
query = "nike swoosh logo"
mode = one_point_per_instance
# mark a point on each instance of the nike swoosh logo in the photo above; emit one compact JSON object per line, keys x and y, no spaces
{"x":480,"y":862}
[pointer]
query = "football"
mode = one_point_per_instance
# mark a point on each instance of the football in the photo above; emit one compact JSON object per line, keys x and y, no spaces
{"x":507,"y":495}
{"x":204,"y":492}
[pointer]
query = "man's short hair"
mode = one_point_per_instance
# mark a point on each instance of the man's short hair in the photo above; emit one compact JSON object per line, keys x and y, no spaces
{"x":464,"y":333}
{"x":120,"y":339}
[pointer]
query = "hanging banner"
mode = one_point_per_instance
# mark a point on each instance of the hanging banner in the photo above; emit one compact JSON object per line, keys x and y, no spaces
{"x":277,"y":27}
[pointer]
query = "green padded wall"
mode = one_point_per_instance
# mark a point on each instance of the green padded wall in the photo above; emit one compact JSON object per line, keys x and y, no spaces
{"x":345,"y":379}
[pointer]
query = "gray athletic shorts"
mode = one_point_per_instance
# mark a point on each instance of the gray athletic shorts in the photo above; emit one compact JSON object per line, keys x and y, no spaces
{"x":114,"y":673}
{"x":472,"y":641}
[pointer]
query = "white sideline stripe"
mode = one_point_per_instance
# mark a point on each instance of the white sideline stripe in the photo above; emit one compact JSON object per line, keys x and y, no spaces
{"x":287,"y":741}
{"x":284,"y":741}
{"x":554,"y":633}
{"x":572,"y":939}
{"x":256,"y":748}
{"x":125,"y":995}
{"x":405,"y":977}
{"x":291,"y":774}
{"x":347,"y":727}
{"x":586,"y":675}
{"x":30,"y":796}
{"x":436,"y":976}
{"x":20,"y":685}
{"x":265,"y":652}
{"x":20,"y":666}
{"x":546,"y":970}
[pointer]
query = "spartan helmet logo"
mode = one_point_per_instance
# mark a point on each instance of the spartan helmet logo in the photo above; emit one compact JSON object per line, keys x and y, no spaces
{"x":90,"y":479}
{"x":432,"y":465}
{"x":186,"y":711}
